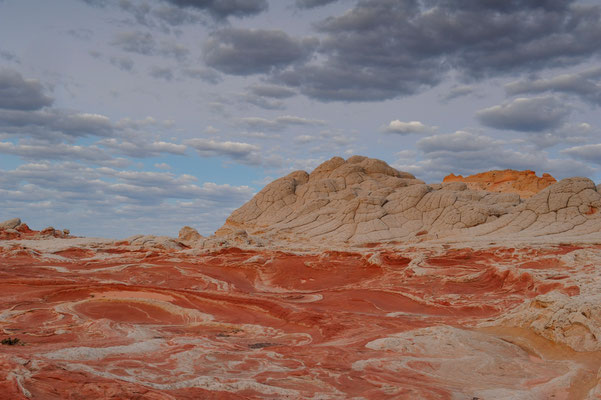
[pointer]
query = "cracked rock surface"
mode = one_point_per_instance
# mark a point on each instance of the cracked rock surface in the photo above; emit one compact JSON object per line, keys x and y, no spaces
{"x":362,"y":200}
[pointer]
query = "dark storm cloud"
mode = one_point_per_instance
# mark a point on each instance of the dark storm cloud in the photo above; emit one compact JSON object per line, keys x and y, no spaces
{"x":525,"y":114}
{"x":382,"y":49}
{"x":225,"y":8}
{"x":17,"y":93}
{"x":253,"y":51}
{"x":585,"y":85}
{"x":313,"y":3}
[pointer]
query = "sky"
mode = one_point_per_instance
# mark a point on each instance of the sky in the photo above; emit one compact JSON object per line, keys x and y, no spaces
{"x":120,"y":117}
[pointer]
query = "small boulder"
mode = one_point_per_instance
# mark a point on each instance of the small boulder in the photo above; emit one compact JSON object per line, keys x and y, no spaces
{"x":188,"y":234}
{"x":10,"y":224}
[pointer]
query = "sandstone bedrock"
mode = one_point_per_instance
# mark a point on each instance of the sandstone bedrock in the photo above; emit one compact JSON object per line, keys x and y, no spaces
{"x":356,"y":281}
{"x":364,"y":200}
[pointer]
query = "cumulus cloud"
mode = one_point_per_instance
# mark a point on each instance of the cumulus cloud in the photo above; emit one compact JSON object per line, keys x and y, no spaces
{"x":135,"y":42}
{"x":526,"y":114}
{"x":279,"y":123}
{"x":58,"y":151}
{"x":225,"y":8}
{"x":586,"y":85}
{"x":242,"y":152}
{"x":268,"y":97}
{"x":142,"y":148}
{"x":204,"y":74}
{"x":144,"y":43}
{"x":9,"y":56}
{"x":404,"y":128}
{"x":17,"y":93}
{"x":90,"y":198}
{"x":313,"y":3}
{"x":382,"y":49}
{"x":457,"y":91}
{"x":54,"y":124}
{"x":469,"y":153}
{"x":253,"y":51}
{"x":273,"y":91}
{"x":161,"y":73}
{"x":123,"y":63}
{"x":587,"y":152}
{"x":455,"y":142}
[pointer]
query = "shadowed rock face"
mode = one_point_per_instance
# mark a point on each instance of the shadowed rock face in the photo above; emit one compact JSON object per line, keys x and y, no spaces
{"x":364,"y":200}
{"x":524,"y":183}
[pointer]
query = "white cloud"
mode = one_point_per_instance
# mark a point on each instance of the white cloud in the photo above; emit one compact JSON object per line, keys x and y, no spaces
{"x":404,"y":128}
{"x":587,"y":152}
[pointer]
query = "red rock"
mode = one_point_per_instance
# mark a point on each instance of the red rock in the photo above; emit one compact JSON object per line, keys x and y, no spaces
{"x":115,"y":320}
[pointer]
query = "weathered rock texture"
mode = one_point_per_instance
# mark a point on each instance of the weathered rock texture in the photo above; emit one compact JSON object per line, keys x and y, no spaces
{"x":524,"y":183}
{"x":459,"y":294}
{"x":145,"y":319}
{"x":364,"y":200}
{"x":15,"y":229}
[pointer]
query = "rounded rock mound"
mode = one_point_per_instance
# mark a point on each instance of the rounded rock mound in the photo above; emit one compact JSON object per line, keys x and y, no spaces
{"x":362,"y":200}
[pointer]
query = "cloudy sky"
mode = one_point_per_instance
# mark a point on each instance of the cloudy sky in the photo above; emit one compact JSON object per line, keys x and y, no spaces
{"x":135,"y":116}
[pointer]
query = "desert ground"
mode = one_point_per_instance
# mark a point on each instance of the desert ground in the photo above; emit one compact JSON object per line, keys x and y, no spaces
{"x":356,"y":281}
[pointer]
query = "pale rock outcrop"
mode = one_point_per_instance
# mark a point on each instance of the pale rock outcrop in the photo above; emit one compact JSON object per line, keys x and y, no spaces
{"x":189,"y":235}
{"x":365,"y":200}
{"x":571,"y":320}
{"x":10,"y":224}
{"x":153,"y":242}
{"x":524,"y":183}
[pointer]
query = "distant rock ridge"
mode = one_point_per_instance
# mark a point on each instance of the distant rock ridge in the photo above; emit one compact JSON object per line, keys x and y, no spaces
{"x":362,"y":200}
{"x":524,"y":183}
{"x":15,"y":229}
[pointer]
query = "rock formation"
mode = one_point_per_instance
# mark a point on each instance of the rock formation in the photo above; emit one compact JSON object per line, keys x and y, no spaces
{"x":146,"y":318}
{"x":524,"y":183}
{"x":189,"y":235}
{"x":15,"y":229}
{"x":363,"y":200}
{"x":355,"y":281}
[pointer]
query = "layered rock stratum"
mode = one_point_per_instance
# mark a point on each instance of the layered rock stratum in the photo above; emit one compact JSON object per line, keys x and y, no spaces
{"x":471,"y":295}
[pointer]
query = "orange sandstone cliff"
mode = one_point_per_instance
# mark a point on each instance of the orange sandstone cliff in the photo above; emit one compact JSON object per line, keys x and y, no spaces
{"x":524,"y":183}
